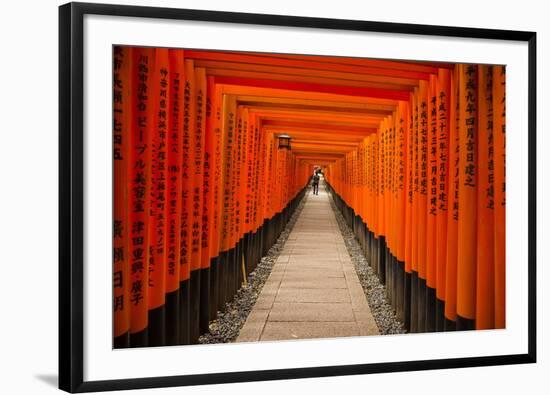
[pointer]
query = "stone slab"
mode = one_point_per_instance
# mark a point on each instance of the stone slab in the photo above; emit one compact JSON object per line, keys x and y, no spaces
{"x":253,"y":327}
{"x":297,"y":295}
{"x":319,"y":283}
{"x":308,"y":330}
{"x":316,"y":312}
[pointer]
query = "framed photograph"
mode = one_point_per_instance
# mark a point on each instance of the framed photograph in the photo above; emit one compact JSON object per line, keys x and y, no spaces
{"x":249,"y":197}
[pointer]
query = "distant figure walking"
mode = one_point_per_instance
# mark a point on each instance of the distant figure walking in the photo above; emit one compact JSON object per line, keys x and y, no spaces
{"x":315,"y":183}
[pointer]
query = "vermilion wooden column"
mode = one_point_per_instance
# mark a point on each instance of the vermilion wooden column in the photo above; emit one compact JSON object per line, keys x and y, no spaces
{"x":423,"y":125}
{"x":410,"y":149}
{"x":400,"y":222}
{"x":186,"y":199}
{"x":139,"y":187}
{"x":174,"y":197}
{"x":499,"y":130}
{"x":217,"y":196}
{"x":209,"y":185}
{"x":200,"y":253}
{"x":485,"y":293}
{"x":467,"y":200}
{"x":415,"y":211}
{"x":157,"y":211}
{"x":453,"y":212}
{"x":444,"y":112}
{"x":432,"y":213}
{"x":228,"y":133}
{"x":121,"y":158}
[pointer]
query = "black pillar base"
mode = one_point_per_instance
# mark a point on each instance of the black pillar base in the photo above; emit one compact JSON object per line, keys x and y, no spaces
{"x":157,"y":328}
{"x":388,"y":274}
{"x":465,"y":324}
{"x":194,"y":313}
{"x":230,"y":274}
{"x":450,"y":325}
{"x":407,"y":301}
{"x":439,"y":315}
{"x":430,"y":309}
{"x":265,"y":237}
{"x":382,"y":259}
{"x":222,"y":279}
{"x":374,"y":254}
{"x":172,"y":318}
{"x":204,"y":311}
{"x":247,"y":241}
{"x":400,"y":289}
{"x":185,"y":297}
{"x":122,"y":341}
{"x":395,"y":284}
{"x":421,"y":300}
{"x":237,"y":268}
{"x":213,"y":306}
{"x":259,"y":247}
{"x":139,"y":339}
{"x":414,"y":302}
{"x":256,"y":248}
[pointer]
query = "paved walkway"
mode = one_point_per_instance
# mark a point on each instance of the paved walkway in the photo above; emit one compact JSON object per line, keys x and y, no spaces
{"x":313,"y":290}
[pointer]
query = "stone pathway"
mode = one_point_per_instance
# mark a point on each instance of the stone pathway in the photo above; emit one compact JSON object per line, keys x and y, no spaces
{"x":313,"y":290}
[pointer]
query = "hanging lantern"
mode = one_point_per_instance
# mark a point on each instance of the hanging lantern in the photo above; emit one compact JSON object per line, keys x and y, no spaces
{"x":284,"y":141}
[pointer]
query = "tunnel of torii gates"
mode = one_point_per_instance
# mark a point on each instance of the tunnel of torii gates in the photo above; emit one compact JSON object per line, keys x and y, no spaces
{"x":413,"y":155}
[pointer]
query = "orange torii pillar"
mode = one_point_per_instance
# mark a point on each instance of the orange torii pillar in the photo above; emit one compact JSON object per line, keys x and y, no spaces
{"x":268,"y":180}
{"x":409,"y":188}
{"x":255,"y":229}
{"x":453,"y":211}
{"x":485,"y":293}
{"x":238,"y":203}
{"x":402,"y":126}
{"x":415,"y":214}
{"x":467,"y":200}
{"x":194,"y":200}
{"x":444,"y":111}
{"x":381,"y":248}
{"x":139,"y":185}
{"x":423,"y":124}
{"x":373,"y":225}
{"x":226,"y":248}
{"x":391,"y":218}
{"x":361,"y":231}
{"x":365,"y":236}
{"x":432,"y":213}
{"x":187,"y":203}
{"x":174,"y":185}
{"x":217,"y":297}
{"x":250,"y":170}
{"x":121,"y":159}
{"x":192,"y":273}
{"x":388,"y":183}
{"x":211,"y":177}
{"x":392,"y":205}
{"x":200,"y":251}
{"x":499,"y":128}
{"x":259,"y":195}
{"x":159,"y":92}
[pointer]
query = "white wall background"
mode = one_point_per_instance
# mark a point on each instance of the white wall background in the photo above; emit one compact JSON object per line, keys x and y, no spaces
{"x":28,"y":194}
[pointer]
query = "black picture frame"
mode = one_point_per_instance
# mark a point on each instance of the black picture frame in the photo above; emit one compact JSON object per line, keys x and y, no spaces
{"x":71,"y":195}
